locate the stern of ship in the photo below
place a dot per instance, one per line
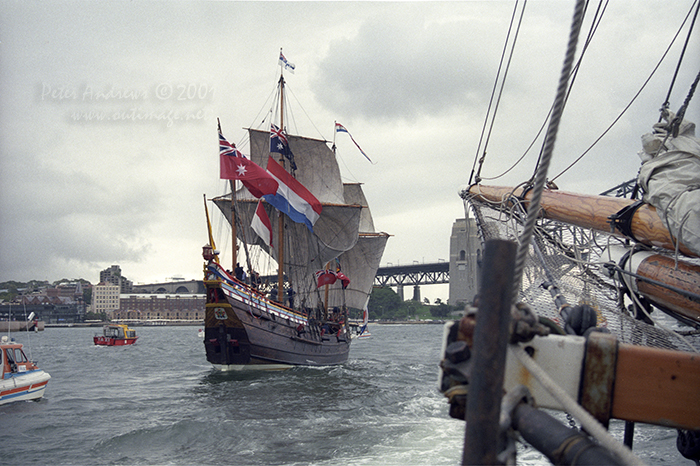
(225, 338)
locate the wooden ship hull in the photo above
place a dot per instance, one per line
(300, 214)
(246, 330)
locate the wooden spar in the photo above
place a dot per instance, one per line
(672, 286)
(657, 386)
(685, 277)
(234, 245)
(635, 383)
(211, 236)
(588, 211)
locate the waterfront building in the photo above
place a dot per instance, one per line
(161, 307)
(105, 298)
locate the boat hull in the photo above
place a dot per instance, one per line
(23, 386)
(245, 331)
(107, 341)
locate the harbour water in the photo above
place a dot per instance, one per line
(158, 402)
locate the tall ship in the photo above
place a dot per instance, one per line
(587, 304)
(297, 217)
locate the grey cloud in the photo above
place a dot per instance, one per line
(404, 70)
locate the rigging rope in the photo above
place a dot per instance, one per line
(666, 103)
(594, 26)
(541, 176)
(493, 91)
(634, 98)
(597, 18)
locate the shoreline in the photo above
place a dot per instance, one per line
(162, 323)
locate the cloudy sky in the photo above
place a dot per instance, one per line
(108, 114)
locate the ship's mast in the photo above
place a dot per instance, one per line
(280, 222)
(234, 245)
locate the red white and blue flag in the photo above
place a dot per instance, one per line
(233, 165)
(261, 224)
(292, 197)
(341, 129)
(285, 64)
(280, 144)
(226, 148)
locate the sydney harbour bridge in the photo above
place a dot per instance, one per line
(395, 276)
(416, 274)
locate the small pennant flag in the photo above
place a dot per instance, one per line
(341, 129)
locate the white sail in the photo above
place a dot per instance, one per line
(344, 231)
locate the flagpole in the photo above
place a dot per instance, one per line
(335, 131)
(280, 63)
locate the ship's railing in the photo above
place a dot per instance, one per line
(251, 297)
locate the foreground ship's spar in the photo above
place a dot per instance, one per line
(327, 256)
(587, 273)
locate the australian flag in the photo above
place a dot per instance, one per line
(280, 144)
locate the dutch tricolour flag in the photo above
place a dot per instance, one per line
(292, 197)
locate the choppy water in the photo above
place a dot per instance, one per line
(159, 403)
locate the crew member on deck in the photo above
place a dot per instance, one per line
(290, 296)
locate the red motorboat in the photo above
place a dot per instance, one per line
(116, 335)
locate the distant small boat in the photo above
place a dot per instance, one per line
(116, 335)
(21, 378)
(361, 331)
(200, 333)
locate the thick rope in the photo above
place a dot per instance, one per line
(541, 176)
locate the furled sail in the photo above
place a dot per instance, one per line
(670, 178)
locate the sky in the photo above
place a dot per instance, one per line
(108, 113)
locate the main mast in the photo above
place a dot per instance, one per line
(280, 223)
